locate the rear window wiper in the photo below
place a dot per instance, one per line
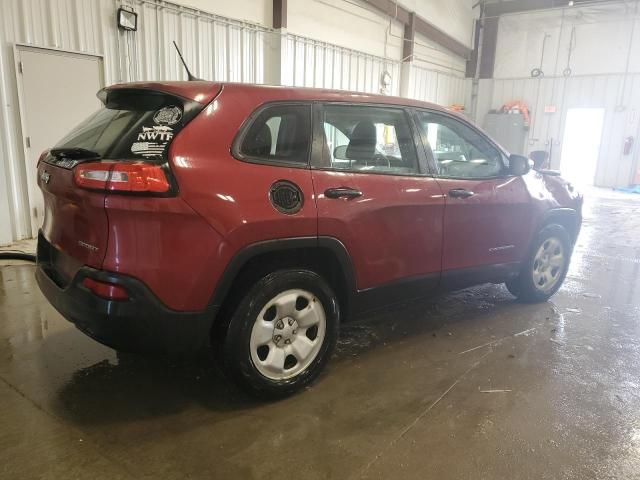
(75, 153)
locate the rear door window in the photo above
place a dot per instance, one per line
(133, 125)
(364, 138)
(278, 134)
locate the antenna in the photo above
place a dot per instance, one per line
(190, 76)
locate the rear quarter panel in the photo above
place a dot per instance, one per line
(232, 196)
(165, 244)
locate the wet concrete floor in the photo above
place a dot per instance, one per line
(469, 385)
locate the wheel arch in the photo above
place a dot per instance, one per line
(567, 218)
(326, 256)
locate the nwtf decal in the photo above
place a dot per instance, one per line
(152, 141)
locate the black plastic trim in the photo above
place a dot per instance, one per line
(563, 213)
(142, 323)
(366, 300)
(466, 277)
(281, 244)
(403, 290)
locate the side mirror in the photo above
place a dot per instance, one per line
(340, 152)
(518, 164)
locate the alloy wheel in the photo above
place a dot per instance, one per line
(548, 264)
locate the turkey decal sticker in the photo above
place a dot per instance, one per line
(152, 141)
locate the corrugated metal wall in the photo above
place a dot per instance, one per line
(215, 48)
(73, 25)
(310, 63)
(436, 86)
(619, 97)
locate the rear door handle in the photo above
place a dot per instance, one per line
(342, 192)
(460, 193)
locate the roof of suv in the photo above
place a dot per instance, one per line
(204, 92)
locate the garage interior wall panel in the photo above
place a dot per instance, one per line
(590, 40)
(254, 11)
(214, 47)
(437, 75)
(366, 44)
(72, 25)
(605, 73)
(437, 87)
(452, 16)
(310, 63)
(619, 97)
(352, 24)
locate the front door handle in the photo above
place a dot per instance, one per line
(460, 193)
(342, 192)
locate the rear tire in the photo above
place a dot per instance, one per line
(281, 334)
(545, 268)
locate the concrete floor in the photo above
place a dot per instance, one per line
(404, 397)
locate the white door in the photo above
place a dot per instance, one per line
(57, 91)
(581, 144)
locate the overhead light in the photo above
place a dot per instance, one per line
(127, 20)
(570, 3)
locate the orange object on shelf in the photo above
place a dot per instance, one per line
(521, 106)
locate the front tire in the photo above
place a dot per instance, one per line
(545, 268)
(282, 334)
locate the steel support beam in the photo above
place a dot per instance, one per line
(517, 6)
(279, 14)
(433, 33)
(422, 26)
(409, 38)
(492, 13)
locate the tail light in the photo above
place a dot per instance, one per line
(109, 291)
(122, 177)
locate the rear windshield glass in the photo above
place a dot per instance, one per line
(131, 126)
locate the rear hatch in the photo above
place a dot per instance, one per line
(121, 149)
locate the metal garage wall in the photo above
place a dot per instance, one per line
(72, 25)
(436, 75)
(215, 47)
(437, 87)
(310, 63)
(619, 98)
(599, 43)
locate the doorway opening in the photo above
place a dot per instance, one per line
(581, 144)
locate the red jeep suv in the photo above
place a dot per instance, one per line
(255, 219)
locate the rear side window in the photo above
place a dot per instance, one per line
(133, 125)
(280, 133)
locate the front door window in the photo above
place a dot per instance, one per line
(458, 150)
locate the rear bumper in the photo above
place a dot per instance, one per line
(140, 324)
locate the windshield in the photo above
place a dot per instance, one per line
(129, 127)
